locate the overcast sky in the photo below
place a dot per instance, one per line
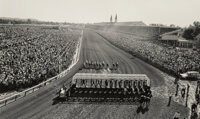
(178, 12)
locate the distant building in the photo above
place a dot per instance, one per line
(174, 39)
(160, 25)
(129, 23)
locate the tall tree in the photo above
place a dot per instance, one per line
(196, 28)
(196, 23)
(188, 33)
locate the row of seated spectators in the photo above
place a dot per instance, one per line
(32, 54)
(173, 60)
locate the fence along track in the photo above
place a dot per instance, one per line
(22, 94)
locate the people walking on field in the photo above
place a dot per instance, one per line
(183, 92)
(177, 88)
(169, 102)
(194, 114)
(145, 97)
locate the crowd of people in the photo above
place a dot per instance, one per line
(32, 54)
(170, 59)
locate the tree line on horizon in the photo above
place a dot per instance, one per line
(192, 31)
(28, 21)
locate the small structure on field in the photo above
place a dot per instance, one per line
(110, 80)
(96, 87)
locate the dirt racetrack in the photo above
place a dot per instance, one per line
(94, 48)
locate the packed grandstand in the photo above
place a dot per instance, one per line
(167, 58)
(32, 54)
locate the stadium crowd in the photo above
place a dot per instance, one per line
(170, 59)
(31, 54)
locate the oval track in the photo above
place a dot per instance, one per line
(96, 48)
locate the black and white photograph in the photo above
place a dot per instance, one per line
(99, 59)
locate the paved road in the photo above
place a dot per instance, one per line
(96, 48)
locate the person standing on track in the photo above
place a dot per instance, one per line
(170, 98)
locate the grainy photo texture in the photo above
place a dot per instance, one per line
(99, 59)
